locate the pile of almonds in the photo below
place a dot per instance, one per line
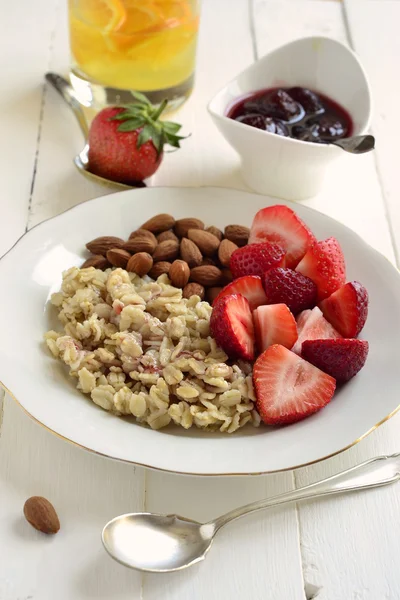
(195, 258)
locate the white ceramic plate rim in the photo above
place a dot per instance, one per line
(261, 200)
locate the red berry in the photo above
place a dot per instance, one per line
(291, 288)
(311, 325)
(274, 324)
(347, 309)
(114, 154)
(287, 387)
(231, 325)
(249, 286)
(340, 358)
(324, 264)
(280, 224)
(256, 259)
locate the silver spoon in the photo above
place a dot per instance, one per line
(163, 543)
(81, 160)
(358, 144)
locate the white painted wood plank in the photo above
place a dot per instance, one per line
(347, 543)
(374, 32)
(86, 490)
(255, 558)
(25, 43)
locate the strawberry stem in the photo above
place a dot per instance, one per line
(160, 109)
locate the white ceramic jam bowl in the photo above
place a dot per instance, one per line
(281, 166)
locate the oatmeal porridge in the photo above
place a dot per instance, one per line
(138, 348)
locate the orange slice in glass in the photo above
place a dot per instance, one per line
(106, 15)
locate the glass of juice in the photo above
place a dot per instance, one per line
(122, 45)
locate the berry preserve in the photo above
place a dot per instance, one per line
(295, 112)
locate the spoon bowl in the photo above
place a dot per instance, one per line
(81, 160)
(157, 543)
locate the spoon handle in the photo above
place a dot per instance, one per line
(371, 473)
(65, 89)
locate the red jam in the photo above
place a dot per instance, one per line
(295, 112)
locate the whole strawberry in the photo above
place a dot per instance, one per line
(126, 142)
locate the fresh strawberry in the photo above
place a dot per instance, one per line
(126, 143)
(311, 325)
(291, 288)
(324, 264)
(231, 325)
(249, 286)
(256, 259)
(340, 358)
(347, 309)
(287, 387)
(281, 224)
(274, 324)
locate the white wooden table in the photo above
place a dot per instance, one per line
(346, 548)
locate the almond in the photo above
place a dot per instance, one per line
(206, 242)
(118, 257)
(182, 226)
(97, 261)
(140, 243)
(225, 250)
(238, 234)
(215, 231)
(179, 273)
(167, 235)
(159, 223)
(101, 245)
(193, 289)
(212, 293)
(167, 250)
(207, 275)
(140, 263)
(143, 233)
(190, 253)
(226, 277)
(159, 269)
(40, 513)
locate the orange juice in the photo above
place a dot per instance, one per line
(145, 45)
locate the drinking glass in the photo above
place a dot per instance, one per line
(122, 45)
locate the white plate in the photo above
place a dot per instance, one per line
(31, 271)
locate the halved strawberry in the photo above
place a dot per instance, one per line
(291, 288)
(340, 358)
(324, 264)
(232, 327)
(274, 324)
(249, 286)
(347, 308)
(256, 259)
(287, 387)
(311, 325)
(280, 224)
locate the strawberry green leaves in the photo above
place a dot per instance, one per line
(141, 114)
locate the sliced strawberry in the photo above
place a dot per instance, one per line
(281, 224)
(324, 264)
(340, 358)
(232, 327)
(274, 324)
(291, 288)
(347, 308)
(287, 387)
(256, 259)
(249, 286)
(312, 325)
